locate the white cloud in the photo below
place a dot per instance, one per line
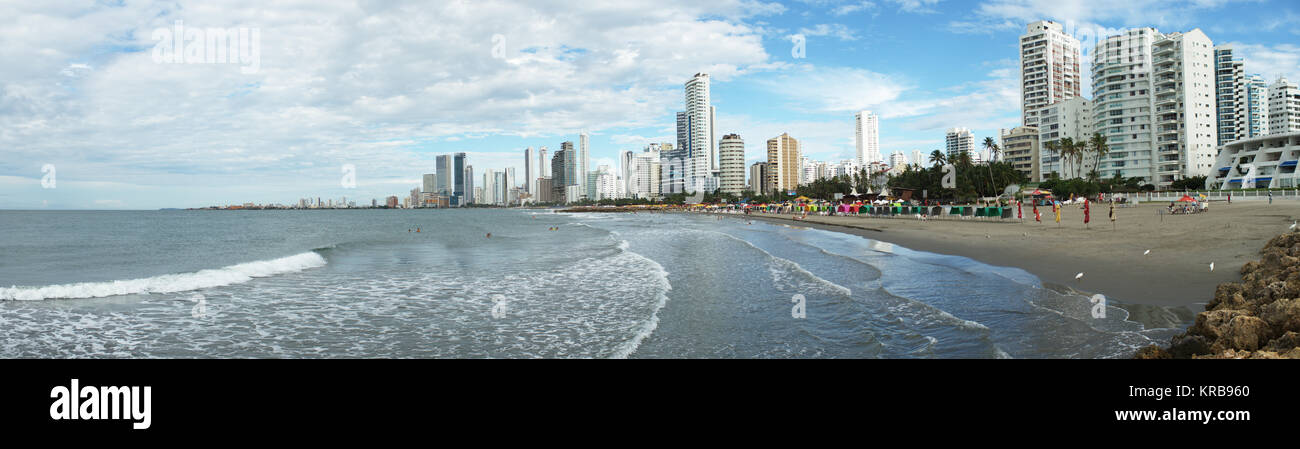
(1272, 61)
(340, 81)
(834, 89)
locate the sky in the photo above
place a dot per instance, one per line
(97, 111)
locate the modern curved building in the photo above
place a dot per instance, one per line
(1260, 162)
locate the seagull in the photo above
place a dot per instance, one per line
(1211, 266)
(1078, 276)
(1293, 224)
(1146, 252)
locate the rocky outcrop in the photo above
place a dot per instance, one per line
(1257, 318)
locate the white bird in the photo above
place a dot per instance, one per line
(1211, 266)
(1293, 224)
(1146, 252)
(1078, 276)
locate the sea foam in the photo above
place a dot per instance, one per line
(169, 283)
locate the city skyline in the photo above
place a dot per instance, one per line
(123, 131)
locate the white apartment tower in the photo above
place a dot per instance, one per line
(1049, 68)
(1283, 107)
(1156, 104)
(959, 140)
(697, 125)
(867, 130)
(731, 155)
(1071, 119)
(583, 163)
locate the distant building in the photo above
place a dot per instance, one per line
(1049, 68)
(1020, 149)
(783, 164)
(959, 141)
(731, 155)
(758, 179)
(1283, 107)
(867, 137)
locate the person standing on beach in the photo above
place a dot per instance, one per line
(1270, 197)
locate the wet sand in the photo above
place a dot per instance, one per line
(1175, 276)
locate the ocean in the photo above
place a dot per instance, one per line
(365, 284)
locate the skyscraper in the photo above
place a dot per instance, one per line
(867, 132)
(1158, 95)
(701, 145)
(783, 164)
(445, 178)
(543, 164)
(583, 164)
(959, 140)
(469, 185)
(1070, 119)
(1283, 107)
(1049, 68)
(731, 155)
(530, 178)
(758, 179)
(459, 181)
(430, 183)
(562, 171)
(1241, 99)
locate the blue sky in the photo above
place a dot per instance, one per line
(386, 87)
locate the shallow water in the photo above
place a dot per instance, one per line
(356, 283)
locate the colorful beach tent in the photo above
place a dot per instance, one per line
(1186, 199)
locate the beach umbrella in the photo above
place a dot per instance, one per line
(1186, 199)
(1020, 213)
(1038, 217)
(1056, 208)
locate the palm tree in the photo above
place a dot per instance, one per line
(1099, 149)
(1068, 149)
(992, 147)
(1053, 147)
(938, 158)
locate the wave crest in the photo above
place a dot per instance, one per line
(168, 283)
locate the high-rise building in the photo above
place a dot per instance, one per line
(584, 165)
(446, 179)
(758, 181)
(626, 170)
(543, 164)
(897, 159)
(731, 155)
(1241, 100)
(530, 175)
(1071, 119)
(647, 171)
(430, 183)
(917, 158)
(697, 125)
(867, 132)
(1283, 107)
(470, 191)
(783, 164)
(1020, 149)
(489, 187)
(959, 141)
(1049, 68)
(460, 183)
(562, 165)
(1156, 104)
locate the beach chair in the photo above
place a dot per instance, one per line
(1006, 213)
(980, 212)
(954, 210)
(936, 211)
(967, 212)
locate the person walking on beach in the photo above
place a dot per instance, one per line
(1270, 197)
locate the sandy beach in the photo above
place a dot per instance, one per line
(1175, 275)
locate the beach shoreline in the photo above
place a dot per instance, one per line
(1164, 288)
